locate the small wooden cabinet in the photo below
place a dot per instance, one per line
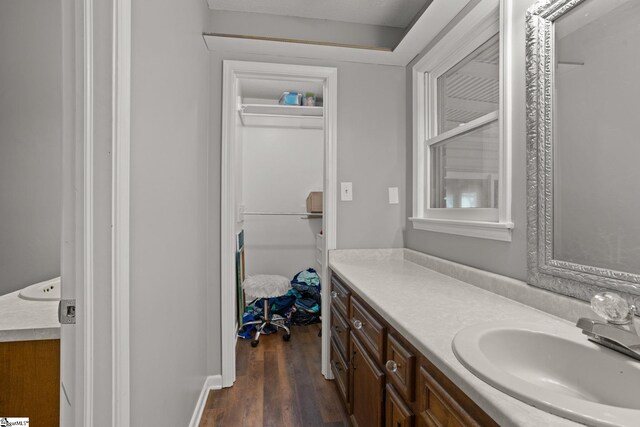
(30, 381)
(383, 380)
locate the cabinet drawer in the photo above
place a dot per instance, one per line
(370, 331)
(340, 296)
(438, 406)
(340, 331)
(401, 367)
(398, 413)
(340, 371)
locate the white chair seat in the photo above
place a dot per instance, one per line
(266, 286)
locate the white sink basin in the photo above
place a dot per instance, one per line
(565, 374)
(48, 290)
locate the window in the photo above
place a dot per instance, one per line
(461, 138)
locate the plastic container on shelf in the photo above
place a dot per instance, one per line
(290, 98)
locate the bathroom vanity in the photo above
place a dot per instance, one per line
(30, 359)
(394, 316)
(386, 380)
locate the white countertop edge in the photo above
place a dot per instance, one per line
(27, 320)
(31, 334)
(495, 403)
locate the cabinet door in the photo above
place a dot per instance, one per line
(367, 392)
(397, 412)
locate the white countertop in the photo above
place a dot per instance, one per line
(428, 308)
(23, 320)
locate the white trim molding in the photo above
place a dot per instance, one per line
(87, 309)
(121, 131)
(213, 382)
(480, 229)
(232, 72)
(487, 18)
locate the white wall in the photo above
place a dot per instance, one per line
(507, 258)
(371, 154)
(30, 142)
(280, 167)
(169, 192)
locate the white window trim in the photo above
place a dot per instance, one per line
(479, 24)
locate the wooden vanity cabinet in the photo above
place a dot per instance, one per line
(389, 382)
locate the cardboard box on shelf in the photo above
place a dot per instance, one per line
(314, 202)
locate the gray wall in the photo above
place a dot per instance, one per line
(371, 154)
(509, 259)
(169, 143)
(30, 142)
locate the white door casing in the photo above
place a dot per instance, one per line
(81, 218)
(232, 71)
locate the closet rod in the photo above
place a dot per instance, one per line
(285, 213)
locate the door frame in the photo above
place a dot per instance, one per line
(232, 71)
(120, 211)
(82, 159)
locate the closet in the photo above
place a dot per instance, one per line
(280, 152)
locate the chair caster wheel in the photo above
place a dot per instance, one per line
(254, 343)
(286, 337)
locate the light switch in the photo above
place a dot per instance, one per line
(393, 196)
(346, 191)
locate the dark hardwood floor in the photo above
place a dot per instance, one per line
(278, 384)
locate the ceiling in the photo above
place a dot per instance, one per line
(425, 29)
(392, 13)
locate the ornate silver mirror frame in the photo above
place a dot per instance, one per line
(575, 280)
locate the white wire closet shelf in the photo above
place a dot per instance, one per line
(276, 115)
(309, 214)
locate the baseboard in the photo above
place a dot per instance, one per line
(213, 382)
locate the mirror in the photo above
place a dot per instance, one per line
(583, 103)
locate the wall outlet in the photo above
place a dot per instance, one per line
(394, 199)
(346, 191)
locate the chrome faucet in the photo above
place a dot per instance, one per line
(617, 331)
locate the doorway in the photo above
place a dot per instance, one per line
(256, 78)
